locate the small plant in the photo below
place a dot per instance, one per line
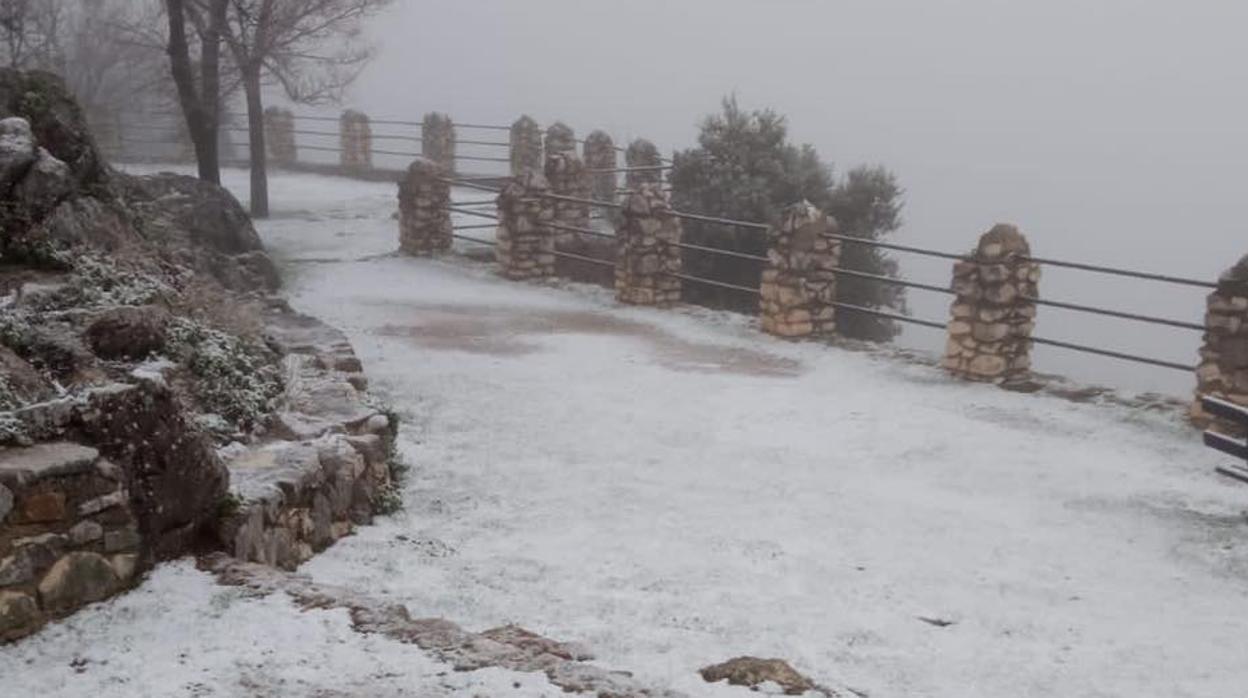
(389, 499)
(236, 378)
(228, 505)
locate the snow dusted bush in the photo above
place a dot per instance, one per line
(97, 282)
(236, 378)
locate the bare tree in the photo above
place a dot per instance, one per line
(30, 33)
(312, 49)
(200, 99)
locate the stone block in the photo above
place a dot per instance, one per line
(76, 580)
(19, 615)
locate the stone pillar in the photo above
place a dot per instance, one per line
(992, 318)
(642, 153)
(279, 136)
(357, 141)
(799, 284)
(560, 138)
(424, 221)
(526, 245)
(526, 145)
(565, 173)
(1223, 370)
(437, 140)
(648, 256)
(600, 155)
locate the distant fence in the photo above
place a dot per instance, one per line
(598, 220)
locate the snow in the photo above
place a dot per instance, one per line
(673, 489)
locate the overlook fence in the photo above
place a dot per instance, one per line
(565, 205)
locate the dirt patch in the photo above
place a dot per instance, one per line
(483, 329)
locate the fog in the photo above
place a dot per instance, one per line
(1111, 132)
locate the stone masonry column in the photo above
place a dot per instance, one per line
(648, 255)
(424, 221)
(437, 140)
(799, 284)
(357, 141)
(526, 145)
(1223, 369)
(565, 172)
(600, 155)
(279, 135)
(992, 318)
(642, 153)
(526, 245)
(560, 138)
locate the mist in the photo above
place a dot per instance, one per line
(1109, 132)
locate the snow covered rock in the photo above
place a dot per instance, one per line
(754, 672)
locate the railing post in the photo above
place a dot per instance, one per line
(437, 140)
(526, 245)
(565, 173)
(526, 145)
(642, 153)
(600, 155)
(279, 135)
(799, 284)
(356, 135)
(560, 138)
(649, 254)
(1223, 369)
(424, 220)
(993, 316)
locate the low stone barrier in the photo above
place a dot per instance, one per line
(424, 222)
(356, 136)
(437, 140)
(799, 284)
(526, 244)
(526, 145)
(993, 316)
(1223, 368)
(279, 136)
(648, 256)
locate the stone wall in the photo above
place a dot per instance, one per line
(642, 153)
(526, 244)
(526, 145)
(424, 222)
(356, 135)
(1223, 369)
(560, 138)
(279, 136)
(437, 140)
(648, 255)
(600, 154)
(992, 318)
(566, 175)
(799, 282)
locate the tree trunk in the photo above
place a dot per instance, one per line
(256, 145)
(200, 125)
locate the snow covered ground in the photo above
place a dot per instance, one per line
(673, 489)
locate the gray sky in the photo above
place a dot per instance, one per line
(1111, 131)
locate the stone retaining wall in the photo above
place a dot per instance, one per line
(437, 140)
(526, 244)
(424, 222)
(356, 135)
(648, 256)
(566, 175)
(279, 136)
(992, 316)
(799, 284)
(1223, 369)
(526, 145)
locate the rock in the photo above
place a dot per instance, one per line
(25, 382)
(195, 212)
(16, 569)
(6, 502)
(45, 184)
(17, 151)
(125, 566)
(19, 615)
(85, 532)
(121, 540)
(45, 460)
(57, 121)
(76, 580)
(129, 332)
(752, 671)
(44, 507)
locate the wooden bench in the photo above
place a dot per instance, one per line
(1238, 448)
